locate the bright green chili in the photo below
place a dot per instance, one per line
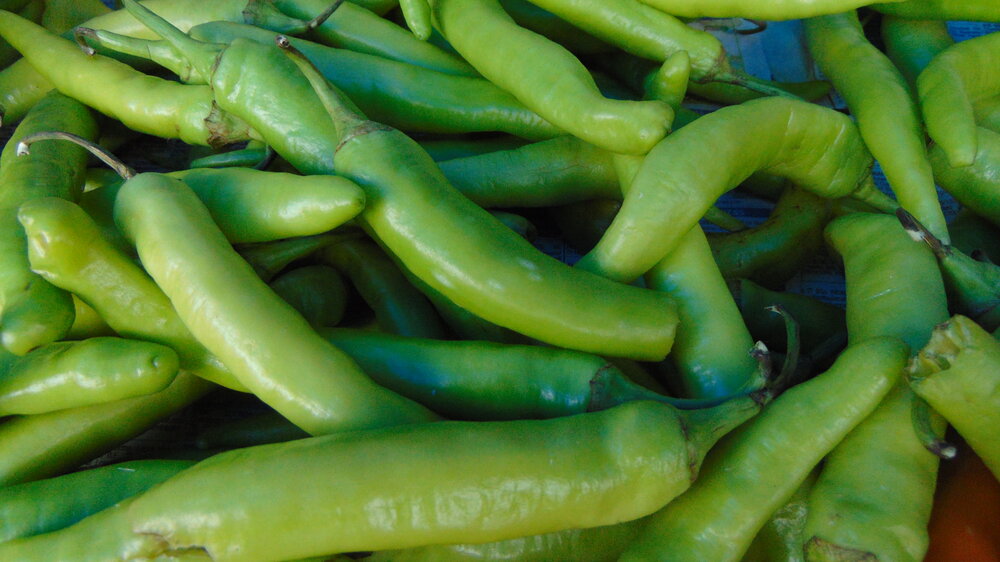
(888, 118)
(32, 311)
(480, 30)
(820, 150)
(975, 186)
(266, 345)
(542, 475)
(755, 470)
(956, 372)
(949, 87)
(75, 374)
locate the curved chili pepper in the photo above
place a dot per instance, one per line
(32, 311)
(636, 457)
(887, 116)
(949, 86)
(820, 150)
(477, 29)
(76, 374)
(766, 459)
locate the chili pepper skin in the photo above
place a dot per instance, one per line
(74, 374)
(357, 29)
(401, 95)
(477, 29)
(445, 149)
(257, 206)
(767, 458)
(398, 306)
(949, 86)
(976, 186)
(266, 345)
(144, 103)
(911, 44)
(317, 292)
(32, 311)
(853, 513)
(772, 252)
(557, 171)
(259, 429)
(269, 258)
(781, 537)
(61, 15)
(818, 149)
(44, 445)
(956, 372)
(712, 348)
(479, 264)
(66, 247)
(775, 11)
(542, 476)
(33, 508)
(888, 118)
(553, 27)
(87, 323)
(975, 10)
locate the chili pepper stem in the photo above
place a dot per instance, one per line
(348, 120)
(704, 427)
(793, 349)
(921, 414)
(919, 233)
(200, 55)
(753, 84)
(610, 388)
(122, 169)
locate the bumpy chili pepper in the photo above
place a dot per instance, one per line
(887, 116)
(976, 10)
(883, 513)
(399, 307)
(818, 149)
(66, 247)
(477, 29)
(44, 445)
(33, 508)
(956, 372)
(33, 311)
(767, 459)
(507, 282)
(974, 186)
(949, 86)
(74, 374)
(318, 292)
(542, 476)
(251, 331)
(144, 103)
(911, 44)
(772, 252)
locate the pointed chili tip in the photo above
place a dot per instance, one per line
(324, 15)
(80, 35)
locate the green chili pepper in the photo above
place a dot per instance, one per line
(62, 15)
(475, 261)
(772, 252)
(712, 350)
(47, 505)
(949, 86)
(317, 292)
(44, 445)
(353, 28)
(956, 372)
(776, 11)
(478, 29)
(818, 149)
(399, 307)
(976, 10)
(33, 311)
(444, 149)
(75, 374)
(269, 258)
(266, 345)
(887, 116)
(542, 476)
(974, 186)
(911, 44)
(819, 321)
(755, 470)
(87, 323)
(555, 28)
(881, 513)
(32, 11)
(66, 247)
(781, 537)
